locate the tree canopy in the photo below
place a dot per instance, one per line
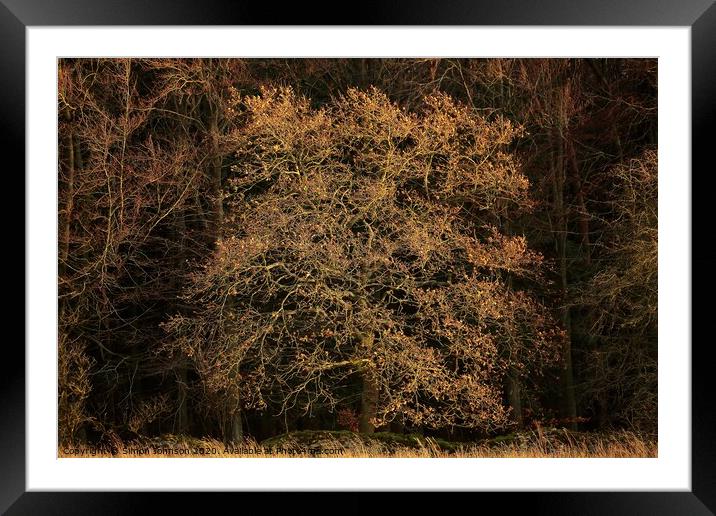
(458, 247)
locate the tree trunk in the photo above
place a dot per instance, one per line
(237, 427)
(569, 406)
(215, 176)
(581, 205)
(69, 204)
(369, 399)
(74, 163)
(512, 379)
(233, 427)
(368, 403)
(182, 423)
(602, 395)
(514, 397)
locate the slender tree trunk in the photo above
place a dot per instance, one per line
(182, 422)
(235, 430)
(602, 400)
(74, 162)
(215, 176)
(233, 424)
(583, 215)
(237, 426)
(369, 399)
(513, 388)
(69, 204)
(569, 406)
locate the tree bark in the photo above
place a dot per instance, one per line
(182, 424)
(512, 378)
(514, 397)
(602, 395)
(233, 425)
(581, 205)
(237, 426)
(72, 151)
(215, 176)
(369, 398)
(182, 421)
(569, 406)
(234, 429)
(74, 161)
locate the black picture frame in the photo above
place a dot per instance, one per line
(700, 15)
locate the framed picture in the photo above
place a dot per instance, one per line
(414, 252)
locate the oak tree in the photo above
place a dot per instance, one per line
(359, 247)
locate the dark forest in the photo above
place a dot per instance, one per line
(458, 252)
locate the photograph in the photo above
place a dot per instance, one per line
(446, 249)
(423, 257)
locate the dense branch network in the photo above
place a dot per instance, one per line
(358, 242)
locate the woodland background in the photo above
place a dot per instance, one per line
(180, 184)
